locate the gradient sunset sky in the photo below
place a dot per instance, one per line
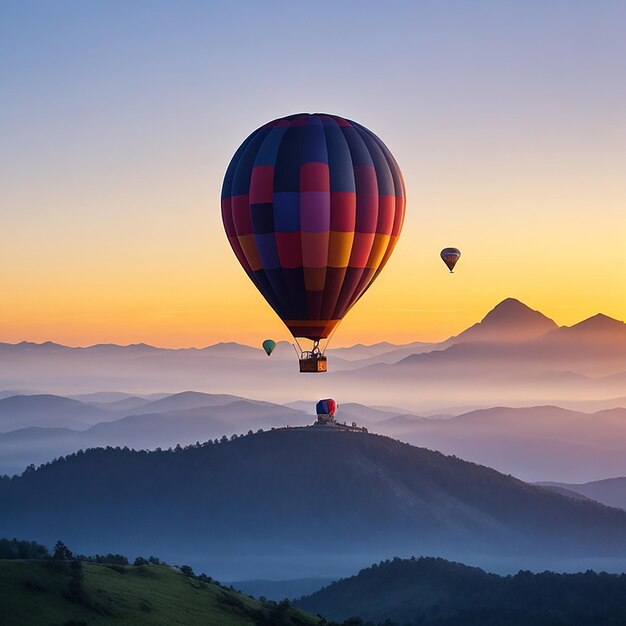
(118, 119)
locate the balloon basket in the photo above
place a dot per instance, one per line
(314, 364)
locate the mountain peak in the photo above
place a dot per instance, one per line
(599, 327)
(509, 321)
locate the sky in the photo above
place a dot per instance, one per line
(118, 120)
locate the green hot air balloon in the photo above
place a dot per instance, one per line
(268, 346)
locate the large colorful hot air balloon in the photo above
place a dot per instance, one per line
(450, 256)
(313, 205)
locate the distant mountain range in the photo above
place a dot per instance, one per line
(535, 443)
(42, 427)
(514, 356)
(610, 491)
(303, 502)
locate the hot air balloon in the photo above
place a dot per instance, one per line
(450, 256)
(325, 410)
(268, 346)
(313, 206)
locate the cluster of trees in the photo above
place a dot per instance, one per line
(15, 549)
(176, 449)
(436, 592)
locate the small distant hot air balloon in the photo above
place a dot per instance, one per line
(268, 346)
(325, 410)
(313, 206)
(450, 256)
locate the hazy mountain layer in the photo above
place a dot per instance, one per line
(610, 491)
(514, 356)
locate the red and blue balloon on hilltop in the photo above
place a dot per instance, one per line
(313, 206)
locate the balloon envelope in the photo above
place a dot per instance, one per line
(312, 205)
(450, 256)
(326, 407)
(268, 346)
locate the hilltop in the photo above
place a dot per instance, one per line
(429, 592)
(300, 502)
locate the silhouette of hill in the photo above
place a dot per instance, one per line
(192, 400)
(533, 443)
(599, 328)
(562, 491)
(429, 592)
(300, 501)
(610, 491)
(47, 410)
(227, 415)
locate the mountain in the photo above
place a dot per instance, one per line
(302, 502)
(22, 447)
(510, 321)
(188, 400)
(61, 592)
(429, 592)
(598, 329)
(562, 491)
(610, 491)
(532, 443)
(47, 410)
(515, 356)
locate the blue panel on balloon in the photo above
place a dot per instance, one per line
(287, 168)
(286, 211)
(262, 218)
(339, 160)
(241, 179)
(232, 167)
(358, 150)
(276, 278)
(266, 246)
(386, 185)
(269, 149)
(313, 147)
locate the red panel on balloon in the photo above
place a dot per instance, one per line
(314, 177)
(241, 214)
(386, 214)
(342, 211)
(262, 184)
(361, 249)
(289, 247)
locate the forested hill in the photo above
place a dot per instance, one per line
(293, 498)
(44, 592)
(429, 592)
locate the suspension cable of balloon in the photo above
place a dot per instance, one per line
(299, 347)
(329, 338)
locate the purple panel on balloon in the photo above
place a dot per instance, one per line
(315, 211)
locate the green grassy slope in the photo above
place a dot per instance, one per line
(35, 592)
